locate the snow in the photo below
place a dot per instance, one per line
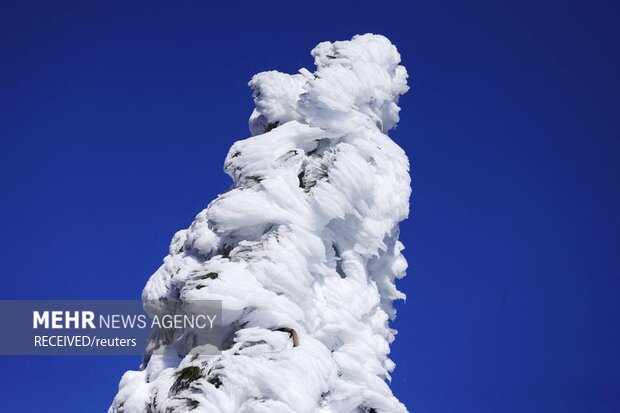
(307, 240)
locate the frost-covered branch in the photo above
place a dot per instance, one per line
(303, 251)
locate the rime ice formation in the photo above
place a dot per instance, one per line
(306, 242)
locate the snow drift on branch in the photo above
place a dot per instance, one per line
(303, 251)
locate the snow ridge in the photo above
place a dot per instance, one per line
(303, 251)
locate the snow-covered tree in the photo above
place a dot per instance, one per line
(303, 252)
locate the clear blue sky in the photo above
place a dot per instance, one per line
(115, 119)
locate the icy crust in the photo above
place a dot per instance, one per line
(306, 241)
